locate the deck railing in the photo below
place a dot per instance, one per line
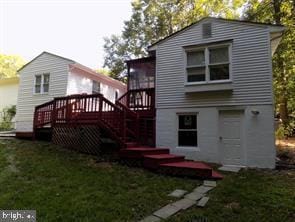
(44, 114)
(84, 109)
(141, 102)
(124, 120)
(139, 99)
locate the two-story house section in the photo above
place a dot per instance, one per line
(214, 95)
(48, 76)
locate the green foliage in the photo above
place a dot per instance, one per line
(9, 64)
(67, 186)
(280, 133)
(7, 115)
(280, 12)
(105, 72)
(152, 20)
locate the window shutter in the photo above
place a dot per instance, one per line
(207, 30)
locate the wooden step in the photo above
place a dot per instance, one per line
(139, 152)
(187, 168)
(153, 161)
(131, 144)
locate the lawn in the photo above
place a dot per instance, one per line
(65, 186)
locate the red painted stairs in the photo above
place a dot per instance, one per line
(160, 160)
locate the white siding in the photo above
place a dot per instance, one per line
(27, 100)
(257, 141)
(79, 83)
(8, 94)
(251, 67)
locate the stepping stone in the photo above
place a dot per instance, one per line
(210, 183)
(166, 211)
(177, 193)
(184, 203)
(150, 218)
(194, 196)
(203, 189)
(202, 202)
(234, 169)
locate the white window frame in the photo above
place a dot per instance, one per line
(207, 63)
(42, 84)
(177, 135)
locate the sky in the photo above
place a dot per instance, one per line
(70, 28)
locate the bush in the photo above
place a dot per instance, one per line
(7, 115)
(286, 131)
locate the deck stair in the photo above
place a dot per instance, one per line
(131, 125)
(160, 160)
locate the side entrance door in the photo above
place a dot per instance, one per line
(231, 137)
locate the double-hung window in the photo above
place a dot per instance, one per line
(42, 83)
(95, 87)
(208, 63)
(187, 130)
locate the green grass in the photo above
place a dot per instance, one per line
(65, 186)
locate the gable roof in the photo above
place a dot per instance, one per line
(213, 18)
(85, 69)
(98, 76)
(69, 60)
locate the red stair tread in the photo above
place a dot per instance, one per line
(187, 164)
(216, 175)
(143, 149)
(162, 156)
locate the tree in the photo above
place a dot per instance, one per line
(280, 12)
(9, 64)
(152, 20)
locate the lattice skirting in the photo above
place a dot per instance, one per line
(86, 139)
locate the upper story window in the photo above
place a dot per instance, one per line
(209, 63)
(42, 83)
(95, 87)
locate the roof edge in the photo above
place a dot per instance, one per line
(150, 47)
(44, 52)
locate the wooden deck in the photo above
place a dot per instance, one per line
(131, 119)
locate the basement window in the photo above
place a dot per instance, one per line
(187, 130)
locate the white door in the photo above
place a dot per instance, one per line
(230, 137)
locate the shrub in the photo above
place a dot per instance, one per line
(7, 115)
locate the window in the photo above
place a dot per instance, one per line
(187, 130)
(46, 83)
(196, 67)
(42, 83)
(95, 87)
(208, 64)
(219, 63)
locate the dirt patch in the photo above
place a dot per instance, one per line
(290, 143)
(286, 151)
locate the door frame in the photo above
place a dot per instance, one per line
(241, 112)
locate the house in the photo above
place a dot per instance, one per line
(204, 94)
(48, 76)
(8, 92)
(214, 95)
